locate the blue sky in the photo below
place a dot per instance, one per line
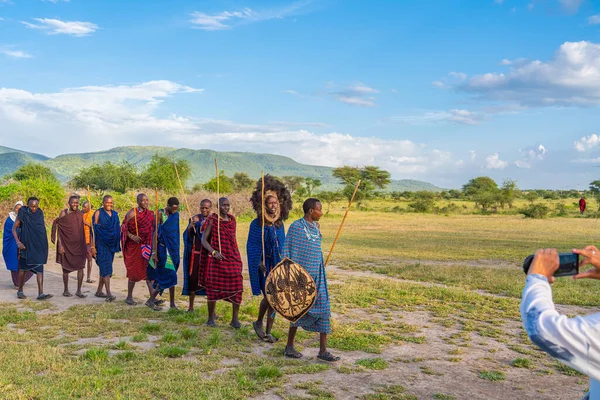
(440, 91)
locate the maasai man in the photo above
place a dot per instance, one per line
(303, 246)
(10, 251)
(163, 274)
(582, 205)
(71, 252)
(137, 241)
(86, 208)
(30, 234)
(221, 264)
(192, 244)
(107, 237)
(278, 203)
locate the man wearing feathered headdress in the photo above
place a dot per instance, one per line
(277, 203)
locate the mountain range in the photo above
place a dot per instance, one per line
(201, 162)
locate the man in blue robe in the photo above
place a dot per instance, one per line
(192, 245)
(29, 231)
(107, 237)
(303, 246)
(164, 272)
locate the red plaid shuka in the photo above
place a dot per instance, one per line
(135, 263)
(222, 279)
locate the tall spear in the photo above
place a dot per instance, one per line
(342, 224)
(262, 198)
(218, 206)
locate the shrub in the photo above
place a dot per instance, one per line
(536, 211)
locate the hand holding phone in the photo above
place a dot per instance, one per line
(568, 264)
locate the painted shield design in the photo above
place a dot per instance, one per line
(291, 291)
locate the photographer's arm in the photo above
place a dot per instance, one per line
(574, 341)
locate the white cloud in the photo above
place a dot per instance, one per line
(293, 92)
(571, 6)
(226, 19)
(531, 155)
(587, 142)
(456, 116)
(493, 161)
(57, 27)
(570, 78)
(451, 79)
(131, 114)
(594, 19)
(357, 94)
(15, 53)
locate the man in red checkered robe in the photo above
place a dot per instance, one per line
(221, 264)
(137, 233)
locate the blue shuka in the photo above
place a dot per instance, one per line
(35, 238)
(274, 245)
(107, 238)
(10, 251)
(165, 274)
(188, 248)
(303, 246)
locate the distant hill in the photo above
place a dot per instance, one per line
(201, 161)
(12, 159)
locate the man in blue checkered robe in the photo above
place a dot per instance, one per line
(303, 246)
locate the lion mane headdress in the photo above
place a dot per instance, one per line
(273, 188)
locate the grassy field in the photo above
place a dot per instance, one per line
(425, 306)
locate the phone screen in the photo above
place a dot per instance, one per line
(569, 264)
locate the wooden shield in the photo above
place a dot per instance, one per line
(291, 291)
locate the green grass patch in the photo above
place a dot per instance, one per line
(522, 363)
(172, 351)
(373, 363)
(96, 354)
(492, 375)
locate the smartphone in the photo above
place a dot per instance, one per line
(568, 264)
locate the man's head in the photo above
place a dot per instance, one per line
(74, 203)
(271, 205)
(142, 201)
(107, 203)
(173, 204)
(33, 203)
(86, 207)
(224, 206)
(312, 208)
(205, 207)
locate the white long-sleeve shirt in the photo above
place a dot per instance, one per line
(573, 341)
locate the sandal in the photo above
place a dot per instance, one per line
(81, 295)
(212, 324)
(101, 295)
(44, 296)
(261, 334)
(67, 294)
(236, 325)
(270, 338)
(110, 299)
(159, 302)
(151, 305)
(90, 281)
(21, 295)
(292, 353)
(327, 356)
(130, 302)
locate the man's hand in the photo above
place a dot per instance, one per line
(155, 258)
(135, 238)
(195, 219)
(94, 252)
(262, 268)
(545, 263)
(219, 256)
(591, 256)
(61, 250)
(21, 246)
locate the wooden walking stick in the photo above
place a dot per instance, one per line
(262, 198)
(187, 206)
(342, 224)
(218, 207)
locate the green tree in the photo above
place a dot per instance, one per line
(241, 182)
(371, 178)
(479, 184)
(293, 183)
(311, 184)
(108, 176)
(329, 197)
(532, 196)
(509, 192)
(160, 173)
(225, 184)
(424, 202)
(34, 171)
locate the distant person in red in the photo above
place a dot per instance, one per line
(582, 205)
